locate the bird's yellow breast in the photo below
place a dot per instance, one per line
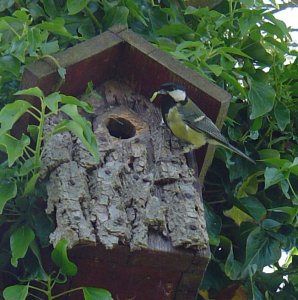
(182, 130)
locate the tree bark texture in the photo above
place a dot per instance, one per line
(142, 187)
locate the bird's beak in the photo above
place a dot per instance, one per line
(155, 94)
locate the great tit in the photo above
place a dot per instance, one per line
(187, 122)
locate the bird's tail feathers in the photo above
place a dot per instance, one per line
(237, 151)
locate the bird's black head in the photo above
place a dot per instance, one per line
(174, 90)
(172, 86)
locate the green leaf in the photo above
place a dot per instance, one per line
(236, 51)
(272, 176)
(11, 112)
(87, 138)
(30, 185)
(43, 225)
(33, 131)
(116, 15)
(34, 91)
(216, 69)
(62, 72)
(282, 115)
(13, 292)
(8, 190)
(253, 207)
(41, 273)
(91, 293)
(56, 26)
(285, 188)
(49, 47)
(261, 251)
(13, 147)
(214, 224)
(237, 215)
(80, 127)
(136, 11)
(75, 6)
(20, 240)
(61, 260)
(256, 51)
(279, 24)
(5, 4)
(261, 96)
(270, 224)
(233, 82)
(73, 100)
(269, 153)
(232, 267)
(292, 212)
(10, 64)
(172, 30)
(52, 101)
(249, 186)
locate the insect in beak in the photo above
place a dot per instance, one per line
(155, 94)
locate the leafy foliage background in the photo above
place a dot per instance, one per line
(251, 211)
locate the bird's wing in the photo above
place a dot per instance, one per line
(198, 121)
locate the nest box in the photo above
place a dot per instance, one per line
(136, 219)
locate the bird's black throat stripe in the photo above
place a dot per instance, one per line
(167, 102)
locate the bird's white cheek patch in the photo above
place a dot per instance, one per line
(178, 95)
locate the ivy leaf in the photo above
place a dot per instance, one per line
(34, 91)
(272, 176)
(253, 207)
(73, 100)
(11, 112)
(116, 15)
(56, 26)
(261, 96)
(49, 47)
(282, 115)
(10, 64)
(13, 147)
(62, 72)
(249, 186)
(261, 251)
(87, 138)
(80, 127)
(285, 188)
(41, 273)
(214, 224)
(232, 267)
(91, 293)
(291, 212)
(269, 153)
(8, 190)
(5, 4)
(17, 291)
(237, 215)
(19, 243)
(60, 258)
(30, 185)
(75, 6)
(52, 101)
